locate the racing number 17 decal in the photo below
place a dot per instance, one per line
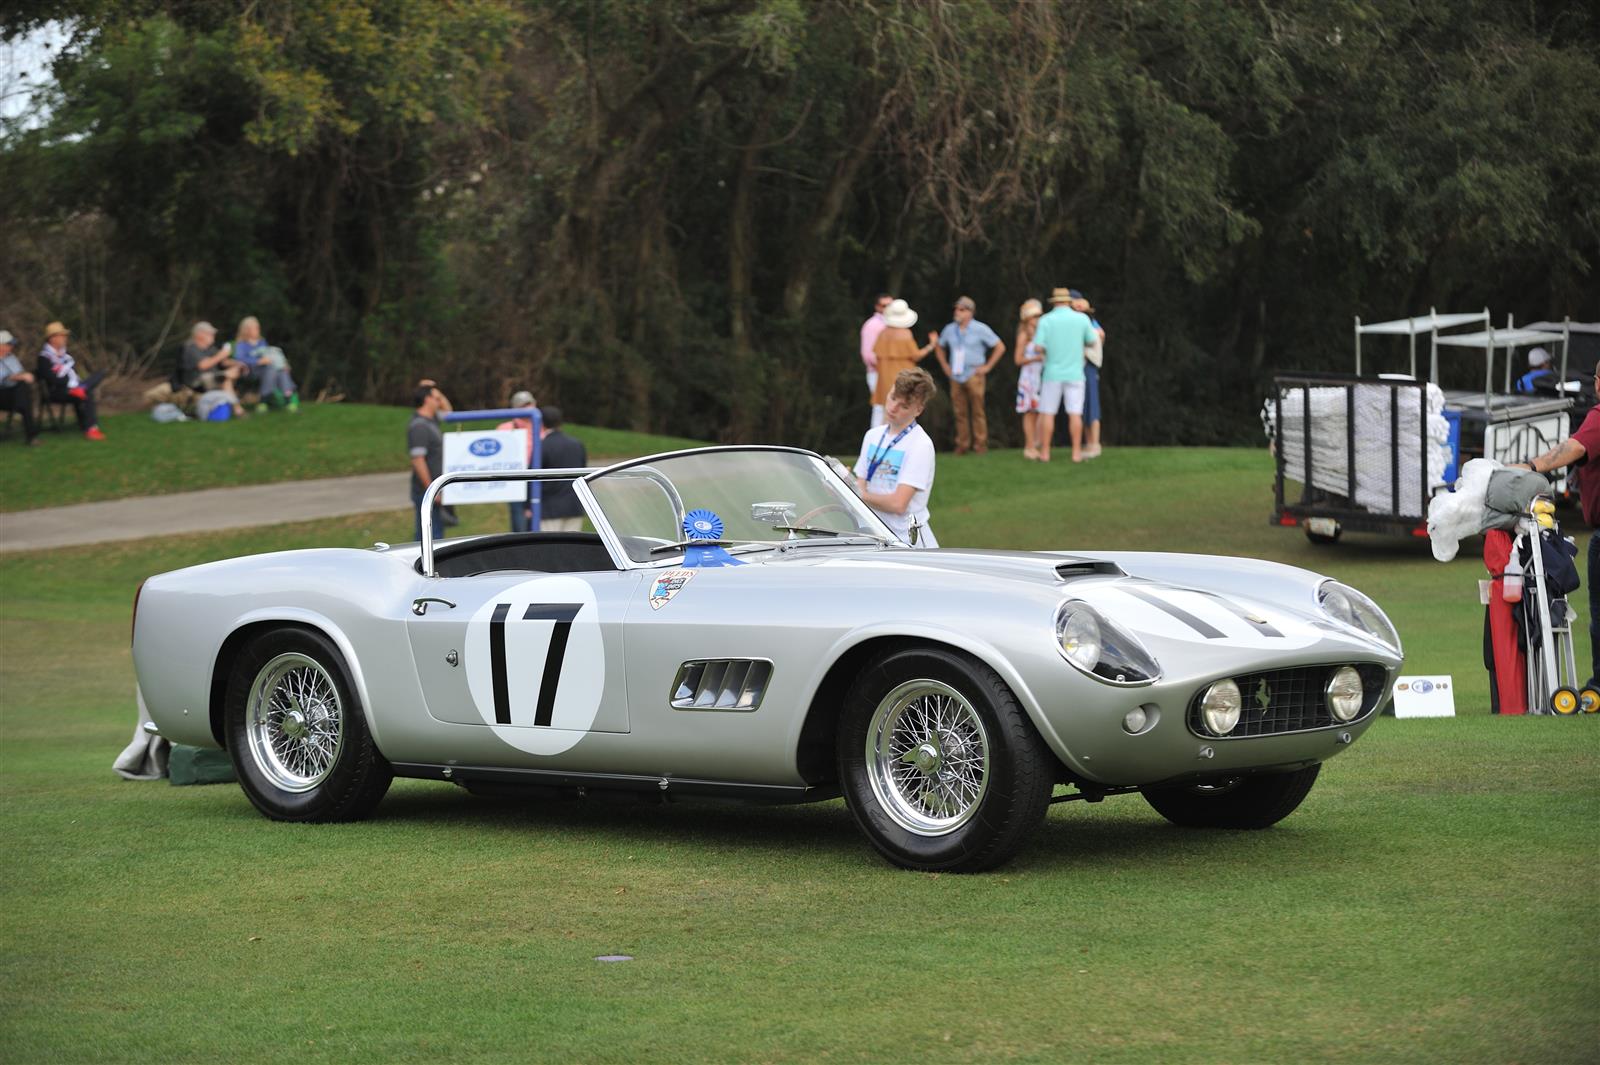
(560, 613)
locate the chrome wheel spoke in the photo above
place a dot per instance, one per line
(294, 722)
(927, 757)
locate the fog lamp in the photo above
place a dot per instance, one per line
(1134, 720)
(1219, 707)
(1344, 694)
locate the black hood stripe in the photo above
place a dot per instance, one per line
(1182, 615)
(1261, 625)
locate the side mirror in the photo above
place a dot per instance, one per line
(915, 531)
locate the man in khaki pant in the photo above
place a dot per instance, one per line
(967, 351)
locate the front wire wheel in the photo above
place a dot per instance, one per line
(939, 765)
(928, 755)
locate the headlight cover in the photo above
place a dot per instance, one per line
(1349, 607)
(1101, 648)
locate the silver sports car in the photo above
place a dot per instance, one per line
(740, 624)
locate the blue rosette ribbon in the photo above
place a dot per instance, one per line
(704, 527)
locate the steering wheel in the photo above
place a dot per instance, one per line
(805, 519)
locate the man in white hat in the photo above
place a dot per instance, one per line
(16, 388)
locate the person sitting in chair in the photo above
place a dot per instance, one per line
(16, 389)
(59, 372)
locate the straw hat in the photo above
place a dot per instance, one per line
(900, 315)
(1061, 295)
(1030, 308)
(55, 329)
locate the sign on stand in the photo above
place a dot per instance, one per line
(1424, 697)
(485, 451)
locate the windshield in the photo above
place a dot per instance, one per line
(758, 496)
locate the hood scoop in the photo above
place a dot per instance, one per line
(1088, 567)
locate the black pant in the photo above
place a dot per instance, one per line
(84, 408)
(18, 396)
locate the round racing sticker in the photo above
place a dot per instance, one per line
(535, 663)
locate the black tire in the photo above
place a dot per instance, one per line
(1258, 801)
(993, 817)
(311, 679)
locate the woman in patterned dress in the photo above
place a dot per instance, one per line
(1030, 357)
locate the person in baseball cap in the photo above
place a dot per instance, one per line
(16, 388)
(521, 510)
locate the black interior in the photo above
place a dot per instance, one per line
(538, 552)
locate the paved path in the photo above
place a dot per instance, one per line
(204, 511)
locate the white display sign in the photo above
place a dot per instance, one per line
(1424, 697)
(486, 451)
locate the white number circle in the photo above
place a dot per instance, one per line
(536, 665)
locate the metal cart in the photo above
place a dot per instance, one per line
(1552, 671)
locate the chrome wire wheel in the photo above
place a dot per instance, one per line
(927, 757)
(295, 722)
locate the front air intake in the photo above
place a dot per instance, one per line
(733, 684)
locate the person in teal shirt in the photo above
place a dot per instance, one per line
(1063, 334)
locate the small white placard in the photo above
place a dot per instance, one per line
(488, 450)
(1424, 697)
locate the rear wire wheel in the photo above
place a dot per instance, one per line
(940, 766)
(296, 732)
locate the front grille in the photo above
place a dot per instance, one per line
(1289, 700)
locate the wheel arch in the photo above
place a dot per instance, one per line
(256, 623)
(814, 745)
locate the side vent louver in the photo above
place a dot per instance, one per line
(735, 684)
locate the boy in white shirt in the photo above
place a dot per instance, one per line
(895, 471)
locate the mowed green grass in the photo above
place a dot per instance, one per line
(141, 457)
(1431, 901)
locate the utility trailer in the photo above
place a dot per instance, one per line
(1370, 452)
(1359, 449)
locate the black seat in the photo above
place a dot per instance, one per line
(536, 552)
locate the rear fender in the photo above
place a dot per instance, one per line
(284, 615)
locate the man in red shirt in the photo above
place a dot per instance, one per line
(1578, 450)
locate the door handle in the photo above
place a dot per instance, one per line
(419, 607)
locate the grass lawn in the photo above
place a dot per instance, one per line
(1430, 902)
(141, 457)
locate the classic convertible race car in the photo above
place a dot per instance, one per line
(740, 624)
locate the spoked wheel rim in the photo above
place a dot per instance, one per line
(295, 722)
(928, 757)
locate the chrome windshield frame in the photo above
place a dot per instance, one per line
(613, 540)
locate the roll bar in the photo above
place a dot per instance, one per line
(439, 482)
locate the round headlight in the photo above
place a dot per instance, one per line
(1219, 707)
(1344, 694)
(1080, 639)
